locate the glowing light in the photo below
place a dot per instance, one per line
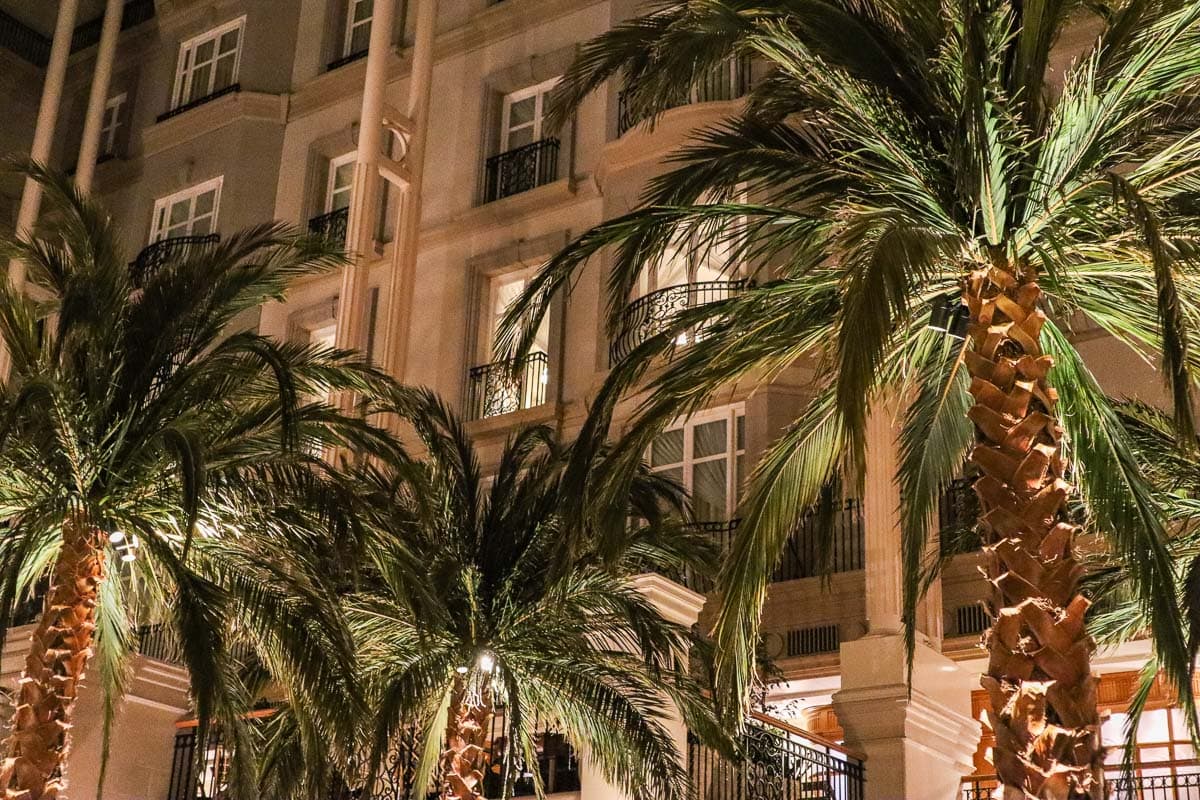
(116, 537)
(461, 670)
(487, 662)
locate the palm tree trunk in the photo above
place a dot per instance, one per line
(1039, 681)
(40, 731)
(464, 761)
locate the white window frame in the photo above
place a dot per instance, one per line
(334, 163)
(730, 414)
(111, 127)
(538, 91)
(351, 6)
(157, 228)
(185, 69)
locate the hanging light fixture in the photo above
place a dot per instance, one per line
(125, 545)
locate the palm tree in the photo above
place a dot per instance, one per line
(481, 603)
(134, 417)
(896, 154)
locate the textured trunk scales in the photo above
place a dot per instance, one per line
(1039, 681)
(465, 759)
(40, 737)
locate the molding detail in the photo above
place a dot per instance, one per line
(232, 108)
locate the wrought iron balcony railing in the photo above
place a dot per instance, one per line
(495, 389)
(153, 256)
(199, 101)
(521, 169)
(727, 82)
(776, 762)
(331, 226)
(1166, 780)
(958, 517)
(349, 58)
(653, 313)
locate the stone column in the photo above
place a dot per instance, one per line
(919, 739)
(89, 147)
(360, 225)
(43, 132)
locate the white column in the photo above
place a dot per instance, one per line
(881, 522)
(360, 225)
(43, 132)
(408, 227)
(89, 147)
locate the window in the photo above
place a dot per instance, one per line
(706, 456)
(190, 212)
(358, 26)
(110, 125)
(208, 63)
(521, 122)
(492, 389)
(503, 291)
(341, 183)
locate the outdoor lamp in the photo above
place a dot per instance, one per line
(939, 314)
(487, 662)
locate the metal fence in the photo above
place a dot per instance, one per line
(775, 764)
(331, 226)
(521, 169)
(153, 256)
(1168, 780)
(494, 389)
(727, 81)
(199, 101)
(653, 313)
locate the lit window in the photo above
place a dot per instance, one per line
(190, 212)
(208, 63)
(521, 122)
(706, 456)
(504, 291)
(110, 126)
(341, 183)
(358, 26)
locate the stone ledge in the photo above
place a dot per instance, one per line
(243, 106)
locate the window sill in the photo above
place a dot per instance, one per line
(216, 113)
(503, 424)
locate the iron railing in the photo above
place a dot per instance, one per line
(24, 40)
(958, 518)
(349, 58)
(199, 101)
(496, 388)
(156, 254)
(775, 764)
(727, 81)
(1167, 780)
(331, 226)
(521, 169)
(653, 313)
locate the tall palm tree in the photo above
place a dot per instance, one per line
(134, 415)
(899, 153)
(484, 609)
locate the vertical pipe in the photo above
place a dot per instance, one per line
(408, 228)
(43, 132)
(360, 225)
(89, 147)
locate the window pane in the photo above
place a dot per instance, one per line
(740, 433)
(229, 41)
(179, 212)
(708, 490)
(709, 439)
(360, 39)
(674, 473)
(205, 202)
(1112, 731)
(520, 138)
(1153, 727)
(343, 176)
(200, 82)
(363, 9)
(224, 77)
(201, 226)
(204, 51)
(667, 449)
(521, 112)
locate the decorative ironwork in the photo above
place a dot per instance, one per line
(775, 764)
(824, 543)
(728, 81)
(193, 778)
(653, 313)
(199, 101)
(349, 58)
(331, 226)
(153, 256)
(1167, 780)
(24, 40)
(495, 389)
(521, 169)
(958, 513)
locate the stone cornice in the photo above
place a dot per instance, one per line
(641, 144)
(236, 107)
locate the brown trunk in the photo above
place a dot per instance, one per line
(58, 654)
(1042, 692)
(465, 759)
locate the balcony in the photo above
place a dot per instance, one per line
(349, 58)
(496, 388)
(728, 82)
(136, 12)
(1166, 780)
(653, 313)
(958, 517)
(520, 170)
(777, 761)
(155, 255)
(199, 101)
(331, 226)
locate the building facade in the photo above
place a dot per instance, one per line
(222, 114)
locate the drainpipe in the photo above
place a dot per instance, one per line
(408, 224)
(360, 224)
(89, 148)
